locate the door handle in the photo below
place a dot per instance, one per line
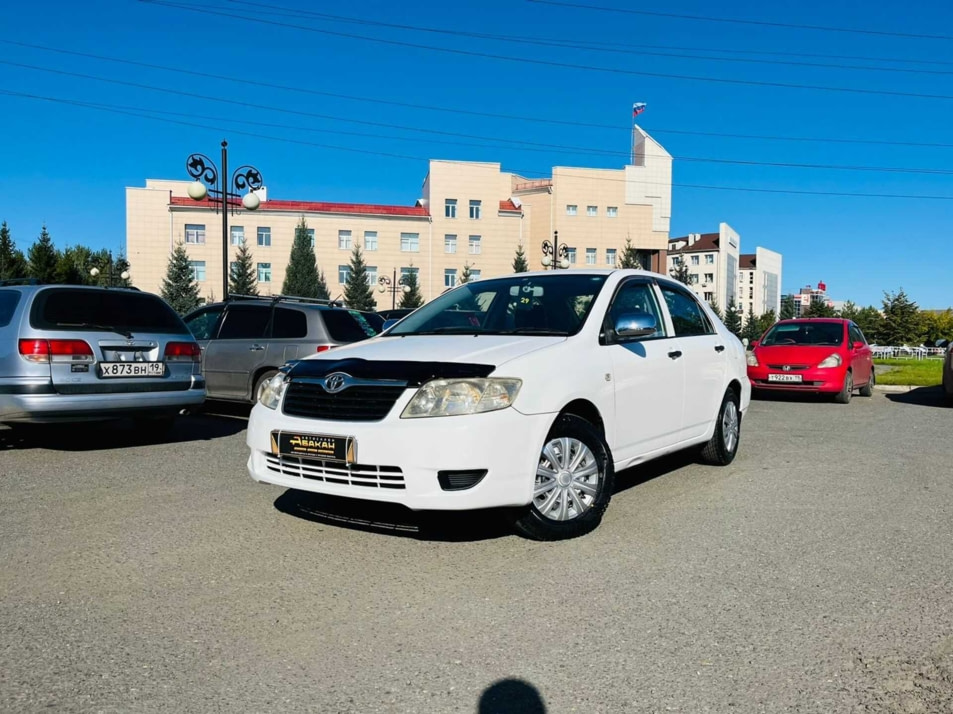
(719, 348)
(675, 354)
(255, 348)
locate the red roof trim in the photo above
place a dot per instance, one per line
(320, 207)
(508, 205)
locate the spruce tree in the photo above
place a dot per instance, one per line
(788, 310)
(357, 293)
(12, 263)
(870, 322)
(752, 329)
(902, 324)
(43, 258)
(302, 277)
(819, 308)
(715, 308)
(73, 265)
(630, 256)
(849, 311)
(733, 317)
(680, 272)
(120, 266)
(766, 321)
(465, 275)
(242, 275)
(519, 262)
(179, 287)
(413, 298)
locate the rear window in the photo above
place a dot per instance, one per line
(8, 303)
(347, 325)
(289, 324)
(97, 310)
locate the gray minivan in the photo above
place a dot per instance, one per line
(77, 353)
(246, 339)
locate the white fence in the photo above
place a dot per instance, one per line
(906, 352)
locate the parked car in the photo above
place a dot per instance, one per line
(527, 391)
(245, 340)
(947, 370)
(72, 353)
(819, 355)
(396, 314)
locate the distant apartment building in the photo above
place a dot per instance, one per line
(759, 282)
(712, 260)
(469, 213)
(808, 295)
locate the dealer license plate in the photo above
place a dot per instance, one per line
(314, 446)
(784, 378)
(109, 370)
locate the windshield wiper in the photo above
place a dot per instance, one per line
(535, 331)
(451, 329)
(93, 326)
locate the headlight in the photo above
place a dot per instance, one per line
(833, 361)
(752, 360)
(272, 391)
(453, 397)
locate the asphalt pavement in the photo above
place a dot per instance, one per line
(811, 575)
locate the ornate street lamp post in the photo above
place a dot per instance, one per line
(110, 277)
(211, 184)
(555, 254)
(394, 286)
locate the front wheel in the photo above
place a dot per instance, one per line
(723, 445)
(847, 391)
(574, 481)
(868, 389)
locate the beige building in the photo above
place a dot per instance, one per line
(469, 213)
(712, 260)
(759, 282)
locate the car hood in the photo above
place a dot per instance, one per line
(492, 350)
(796, 354)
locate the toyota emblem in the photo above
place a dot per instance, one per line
(334, 383)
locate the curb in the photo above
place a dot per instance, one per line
(895, 387)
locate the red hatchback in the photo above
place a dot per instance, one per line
(813, 355)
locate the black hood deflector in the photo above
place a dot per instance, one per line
(414, 373)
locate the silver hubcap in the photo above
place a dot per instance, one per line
(567, 479)
(730, 426)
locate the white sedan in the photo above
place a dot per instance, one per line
(527, 391)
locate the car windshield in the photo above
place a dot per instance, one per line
(805, 333)
(555, 304)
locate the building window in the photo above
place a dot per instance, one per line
(344, 240)
(709, 259)
(198, 269)
(195, 233)
(475, 209)
(410, 242)
(310, 233)
(751, 277)
(590, 256)
(264, 236)
(450, 277)
(695, 260)
(592, 210)
(450, 208)
(370, 240)
(610, 256)
(709, 296)
(751, 293)
(264, 272)
(474, 275)
(571, 209)
(343, 272)
(571, 254)
(449, 244)
(612, 211)
(371, 275)
(676, 260)
(405, 272)
(709, 277)
(693, 279)
(474, 244)
(236, 235)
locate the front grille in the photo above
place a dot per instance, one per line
(335, 472)
(791, 367)
(371, 403)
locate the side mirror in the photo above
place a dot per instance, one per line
(752, 344)
(635, 324)
(858, 345)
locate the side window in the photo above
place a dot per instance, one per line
(202, 324)
(855, 334)
(688, 318)
(245, 322)
(8, 303)
(636, 298)
(289, 324)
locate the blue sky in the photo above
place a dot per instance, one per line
(338, 133)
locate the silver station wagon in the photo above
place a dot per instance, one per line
(75, 353)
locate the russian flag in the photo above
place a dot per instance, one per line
(638, 108)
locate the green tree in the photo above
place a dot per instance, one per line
(849, 311)
(357, 292)
(465, 275)
(715, 308)
(733, 317)
(43, 258)
(12, 263)
(870, 322)
(302, 277)
(937, 325)
(752, 328)
(120, 266)
(519, 262)
(243, 276)
(179, 287)
(630, 257)
(680, 272)
(766, 321)
(788, 309)
(73, 264)
(819, 308)
(902, 322)
(413, 298)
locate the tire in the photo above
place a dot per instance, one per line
(574, 507)
(847, 391)
(948, 390)
(723, 445)
(868, 389)
(262, 378)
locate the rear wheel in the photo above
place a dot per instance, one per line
(574, 481)
(868, 389)
(847, 391)
(723, 445)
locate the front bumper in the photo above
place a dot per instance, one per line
(812, 380)
(398, 460)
